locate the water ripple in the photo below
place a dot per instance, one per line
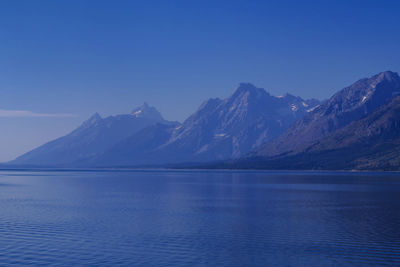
(198, 219)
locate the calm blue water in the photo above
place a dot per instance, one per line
(206, 218)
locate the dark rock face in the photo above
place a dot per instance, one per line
(371, 143)
(348, 105)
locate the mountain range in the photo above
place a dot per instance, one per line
(371, 143)
(219, 129)
(347, 105)
(357, 128)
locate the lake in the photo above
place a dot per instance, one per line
(204, 218)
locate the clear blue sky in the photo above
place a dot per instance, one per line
(61, 61)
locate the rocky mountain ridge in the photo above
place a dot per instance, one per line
(347, 105)
(219, 129)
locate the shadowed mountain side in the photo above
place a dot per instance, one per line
(346, 106)
(372, 143)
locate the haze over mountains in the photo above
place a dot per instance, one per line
(94, 136)
(353, 129)
(219, 129)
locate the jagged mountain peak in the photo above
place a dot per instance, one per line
(347, 105)
(249, 101)
(147, 111)
(387, 75)
(208, 105)
(93, 120)
(369, 92)
(247, 93)
(290, 98)
(95, 117)
(379, 80)
(248, 89)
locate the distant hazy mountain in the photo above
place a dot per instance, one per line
(346, 106)
(219, 129)
(371, 143)
(94, 136)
